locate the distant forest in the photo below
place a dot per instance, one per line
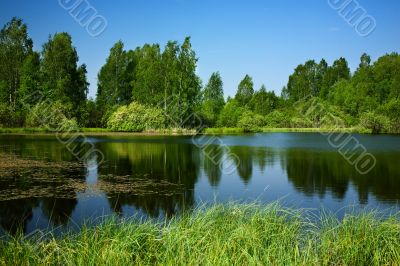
(153, 88)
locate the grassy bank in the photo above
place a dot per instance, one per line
(284, 130)
(221, 235)
(180, 131)
(101, 131)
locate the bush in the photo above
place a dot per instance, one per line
(136, 118)
(230, 115)
(250, 121)
(53, 116)
(300, 122)
(5, 113)
(392, 110)
(375, 123)
(9, 117)
(277, 119)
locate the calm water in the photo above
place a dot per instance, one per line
(42, 185)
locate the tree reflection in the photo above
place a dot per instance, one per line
(212, 164)
(245, 163)
(175, 164)
(315, 173)
(15, 214)
(58, 211)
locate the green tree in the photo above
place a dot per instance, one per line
(15, 47)
(113, 87)
(188, 91)
(338, 71)
(264, 102)
(245, 91)
(250, 121)
(30, 79)
(62, 79)
(230, 115)
(213, 99)
(303, 82)
(170, 72)
(148, 82)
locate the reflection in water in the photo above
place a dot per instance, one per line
(160, 177)
(58, 210)
(15, 214)
(245, 162)
(212, 159)
(176, 164)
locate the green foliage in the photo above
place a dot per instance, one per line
(136, 118)
(223, 130)
(229, 234)
(250, 121)
(277, 119)
(53, 116)
(15, 47)
(62, 79)
(91, 115)
(392, 111)
(151, 77)
(263, 102)
(213, 99)
(300, 122)
(245, 91)
(231, 114)
(375, 123)
(166, 78)
(113, 78)
(5, 115)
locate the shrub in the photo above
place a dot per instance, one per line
(10, 117)
(250, 121)
(392, 110)
(300, 122)
(5, 113)
(53, 116)
(277, 119)
(136, 118)
(375, 123)
(230, 115)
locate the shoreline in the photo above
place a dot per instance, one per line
(183, 132)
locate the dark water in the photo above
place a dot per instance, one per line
(43, 185)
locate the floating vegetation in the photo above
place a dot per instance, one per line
(139, 186)
(31, 178)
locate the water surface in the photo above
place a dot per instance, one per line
(43, 185)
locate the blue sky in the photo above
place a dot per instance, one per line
(264, 38)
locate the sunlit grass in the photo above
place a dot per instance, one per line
(223, 130)
(324, 130)
(23, 130)
(221, 235)
(182, 131)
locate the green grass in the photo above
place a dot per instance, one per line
(220, 235)
(170, 131)
(223, 130)
(182, 131)
(23, 130)
(336, 130)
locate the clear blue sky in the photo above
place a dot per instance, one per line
(264, 38)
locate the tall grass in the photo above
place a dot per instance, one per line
(221, 235)
(23, 130)
(223, 130)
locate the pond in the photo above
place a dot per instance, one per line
(43, 184)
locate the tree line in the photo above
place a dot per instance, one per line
(135, 88)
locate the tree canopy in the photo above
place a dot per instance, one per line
(160, 84)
